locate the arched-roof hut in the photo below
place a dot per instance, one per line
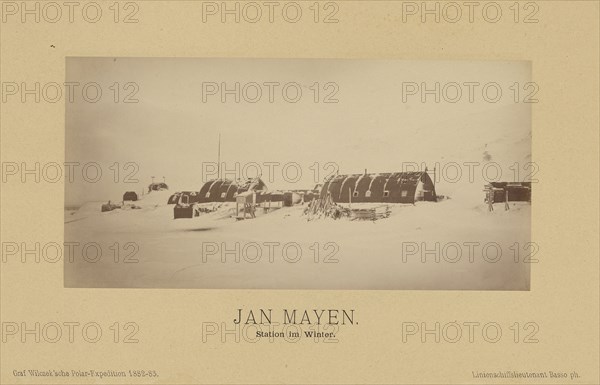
(157, 186)
(398, 187)
(174, 198)
(130, 196)
(225, 190)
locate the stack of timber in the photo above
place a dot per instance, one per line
(373, 214)
(325, 208)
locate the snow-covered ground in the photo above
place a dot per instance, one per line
(282, 250)
(373, 126)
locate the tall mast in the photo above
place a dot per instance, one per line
(219, 159)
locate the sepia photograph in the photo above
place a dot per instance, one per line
(336, 174)
(299, 192)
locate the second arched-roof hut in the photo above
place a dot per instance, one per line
(398, 187)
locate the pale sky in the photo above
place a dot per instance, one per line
(171, 131)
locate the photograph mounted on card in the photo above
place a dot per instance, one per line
(299, 174)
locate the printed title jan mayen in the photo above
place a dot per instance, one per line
(296, 317)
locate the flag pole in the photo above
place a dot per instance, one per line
(219, 159)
